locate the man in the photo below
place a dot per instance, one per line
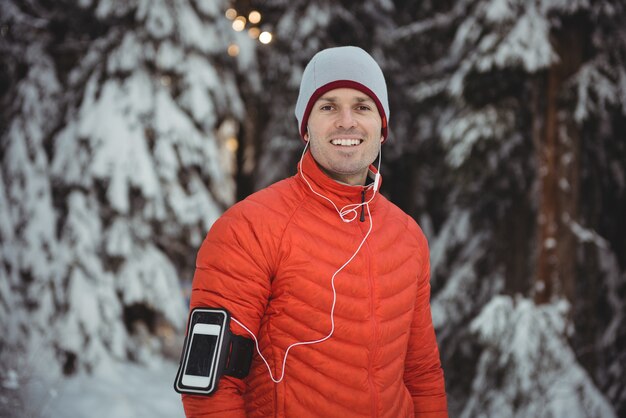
(329, 276)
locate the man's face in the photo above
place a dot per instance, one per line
(344, 133)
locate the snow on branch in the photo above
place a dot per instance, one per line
(598, 86)
(441, 20)
(527, 368)
(469, 128)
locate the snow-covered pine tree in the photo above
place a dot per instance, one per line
(112, 172)
(461, 207)
(529, 364)
(29, 254)
(499, 98)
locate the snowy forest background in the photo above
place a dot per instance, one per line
(126, 129)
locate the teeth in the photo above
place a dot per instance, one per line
(346, 142)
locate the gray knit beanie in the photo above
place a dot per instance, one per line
(333, 68)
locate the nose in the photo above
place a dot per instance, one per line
(346, 119)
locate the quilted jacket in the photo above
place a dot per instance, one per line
(269, 261)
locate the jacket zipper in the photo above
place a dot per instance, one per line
(362, 218)
(374, 345)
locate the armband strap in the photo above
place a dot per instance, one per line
(240, 356)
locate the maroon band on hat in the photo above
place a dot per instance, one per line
(337, 85)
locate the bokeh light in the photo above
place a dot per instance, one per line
(254, 17)
(254, 32)
(231, 14)
(265, 37)
(233, 50)
(239, 23)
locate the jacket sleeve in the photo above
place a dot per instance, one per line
(423, 374)
(234, 267)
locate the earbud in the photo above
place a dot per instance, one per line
(380, 158)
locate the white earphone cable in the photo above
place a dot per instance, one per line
(351, 208)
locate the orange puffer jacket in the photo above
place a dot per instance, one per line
(269, 261)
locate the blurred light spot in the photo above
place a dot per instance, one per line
(254, 17)
(239, 23)
(254, 32)
(232, 144)
(233, 50)
(231, 14)
(166, 80)
(265, 37)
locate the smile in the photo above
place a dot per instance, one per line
(345, 142)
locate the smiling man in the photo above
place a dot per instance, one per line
(326, 276)
(344, 133)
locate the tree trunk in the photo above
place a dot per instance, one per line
(557, 142)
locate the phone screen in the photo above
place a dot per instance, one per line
(203, 349)
(201, 355)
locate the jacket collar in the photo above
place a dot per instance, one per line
(340, 193)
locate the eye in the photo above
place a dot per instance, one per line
(326, 107)
(363, 108)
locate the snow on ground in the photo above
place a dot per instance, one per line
(122, 390)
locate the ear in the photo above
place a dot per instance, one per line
(306, 137)
(382, 138)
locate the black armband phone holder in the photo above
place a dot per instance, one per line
(211, 351)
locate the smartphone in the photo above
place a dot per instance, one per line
(201, 360)
(205, 352)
